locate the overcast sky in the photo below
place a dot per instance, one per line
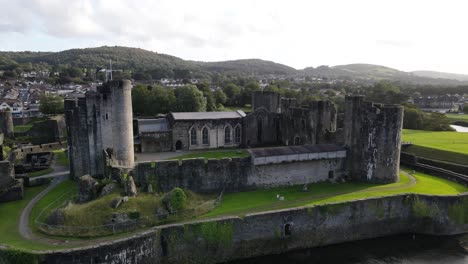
(404, 34)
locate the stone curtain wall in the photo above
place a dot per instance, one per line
(233, 175)
(274, 232)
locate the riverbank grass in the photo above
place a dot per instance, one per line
(447, 140)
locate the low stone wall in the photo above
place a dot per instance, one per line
(21, 152)
(450, 171)
(234, 175)
(274, 232)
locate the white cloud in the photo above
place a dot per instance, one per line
(408, 35)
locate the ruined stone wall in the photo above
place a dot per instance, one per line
(373, 139)
(48, 131)
(156, 142)
(77, 137)
(275, 232)
(296, 173)
(311, 125)
(6, 173)
(198, 175)
(260, 128)
(266, 99)
(6, 123)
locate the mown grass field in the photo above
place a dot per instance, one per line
(321, 193)
(437, 154)
(447, 141)
(219, 154)
(457, 117)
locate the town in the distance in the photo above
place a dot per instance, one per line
(123, 155)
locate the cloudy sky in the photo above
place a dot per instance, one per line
(404, 34)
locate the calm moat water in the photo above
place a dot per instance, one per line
(400, 249)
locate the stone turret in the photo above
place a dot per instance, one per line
(6, 123)
(122, 124)
(372, 135)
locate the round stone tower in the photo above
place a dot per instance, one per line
(6, 123)
(122, 123)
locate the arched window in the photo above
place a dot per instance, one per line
(237, 135)
(205, 136)
(193, 136)
(227, 135)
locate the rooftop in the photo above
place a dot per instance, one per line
(152, 125)
(207, 115)
(292, 150)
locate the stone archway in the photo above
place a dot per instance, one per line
(178, 145)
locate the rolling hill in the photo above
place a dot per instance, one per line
(128, 58)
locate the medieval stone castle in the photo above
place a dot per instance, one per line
(288, 144)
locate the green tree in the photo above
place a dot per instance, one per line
(220, 97)
(413, 118)
(51, 104)
(246, 93)
(465, 109)
(189, 99)
(210, 99)
(232, 92)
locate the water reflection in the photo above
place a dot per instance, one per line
(391, 250)
(459, 128)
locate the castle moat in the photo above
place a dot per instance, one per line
(401, 249)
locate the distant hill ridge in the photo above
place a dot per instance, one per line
(139, 59)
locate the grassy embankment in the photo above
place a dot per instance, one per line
(219, 154)
(444, 146)
(321, 193)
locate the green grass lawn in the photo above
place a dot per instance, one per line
(219, 154)
(320, 193)
(457, 117)
(62, 192)
(10, 213)
(448, 141)
(40, 173)
(61, 158)
(22, 128)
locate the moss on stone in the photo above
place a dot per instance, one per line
(458, 212)
(422, 209)
(18, 257)
(216, 234)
